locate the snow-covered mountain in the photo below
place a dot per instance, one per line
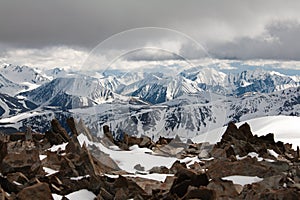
(15, 79)
(10, 106)
(9, 87)
(70, 92)
(154, 103)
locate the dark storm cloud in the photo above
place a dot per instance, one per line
(225, 28)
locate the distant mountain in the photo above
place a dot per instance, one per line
(10, 106)
(24, 74)
(152, 103)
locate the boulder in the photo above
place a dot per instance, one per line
(39, 191)
(199, 193)
(223, 188)
(186, 178)
(26, 162)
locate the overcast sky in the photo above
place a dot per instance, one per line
(63, 32)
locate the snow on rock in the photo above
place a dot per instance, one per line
(252, 155)
(243, 180)
(56, 147)
(126, 160)
(285, 129)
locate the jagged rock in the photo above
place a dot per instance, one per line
(3, 148)
(72, 125)
(199, 193)
(57, 134)
(8, 186)
(163, 140)
(73, 146)
(186, 178)
(39, 191)
(177, 165)
(107, 133)
(103, 194)
(146, 142)
(3, 195)
(17, 177)
(223, 188)
(246, 167)
(21, 157)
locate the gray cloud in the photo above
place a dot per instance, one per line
(281, 40)
(231, 28)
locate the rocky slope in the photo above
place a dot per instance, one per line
(55, 164)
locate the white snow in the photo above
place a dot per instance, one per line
(285, 129)
(243, 180)
(79, 177)
(42, 157)
(126, 160)
(252, 155)
(273, 153)
(57, 197)
(56, 147)
(81, 194)
(49, 171)
(154, 176)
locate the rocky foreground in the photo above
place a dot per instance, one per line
(56, 164)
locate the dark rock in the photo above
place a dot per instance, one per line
(107, 133)
(159, 170)
(103, 194)
(39, 191)
(186, 178)
(22, 158)
(17, 177)
(72, 125)
(223, 188)
(199, 193)
(139, 167)
(57, 134)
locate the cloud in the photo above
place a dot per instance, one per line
(48, 57)
(279, 41)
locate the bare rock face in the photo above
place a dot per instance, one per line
(39, 191)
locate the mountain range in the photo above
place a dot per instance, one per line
(154, 103)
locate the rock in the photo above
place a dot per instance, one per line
(103, 194)
(21, 157)
(199, 193)
(39, 191)
(57, 134)
(120, 194)
(223, 188)
(3, 195)
(139, 167)
(17, 177)
(146, 142)
(159, 170)
(3, 149)
(186, 178)
(107, 133)
(72, 125)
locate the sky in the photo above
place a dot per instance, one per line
(67, 33)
